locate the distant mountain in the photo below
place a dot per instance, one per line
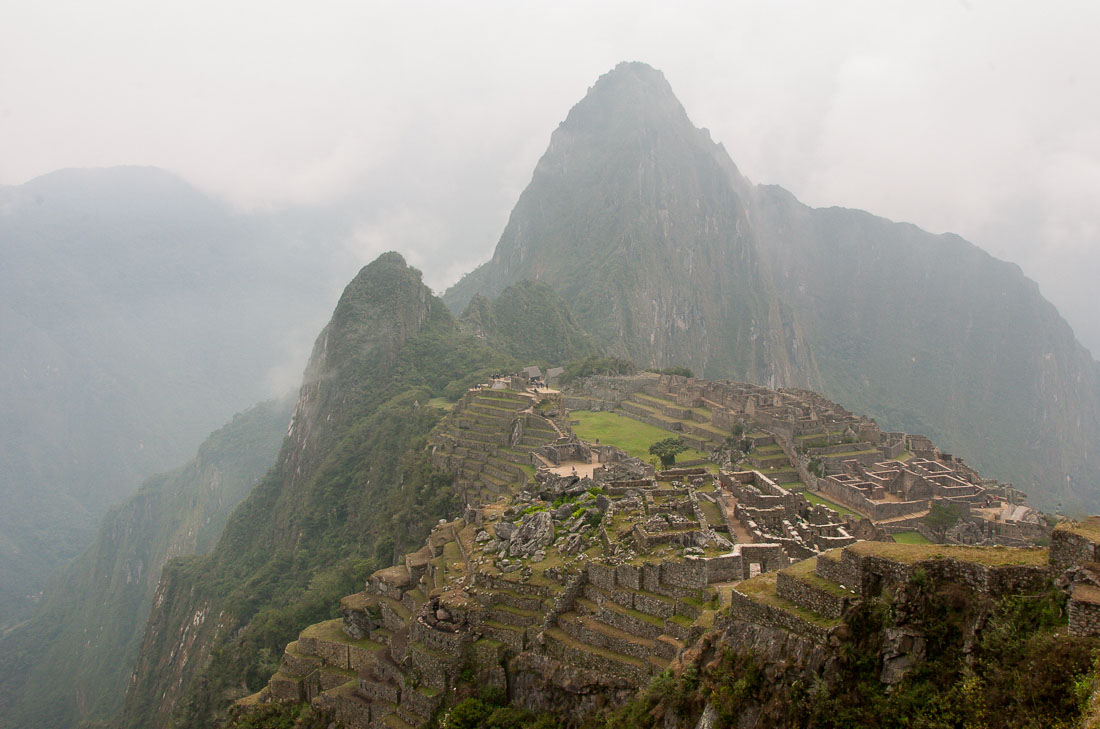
(667, 255)
(642, 224)
(136, 315)
(931, 334)
(89, 625)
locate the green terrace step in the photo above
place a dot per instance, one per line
(394, 721)
(773, 609)
(668, 647)
(544, 431)
(496, 485)
(634, 621)
(381, 635)
(507, 474)
(644, 601)
(501, 395)
(570, 650)
(478, 427)
(514, 599)
(286, 687)
(345, 703)
(512, 636)
(331, 677)
(584, 606)
(328, 642)
(801, 585)
(514, 456)
(470, 437)
(658, 663)
(592, 631)
(532, 443)
(394, 613)
(514, 616)
(295, 663)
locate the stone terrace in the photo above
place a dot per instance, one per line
(811, 597)
(488, 443)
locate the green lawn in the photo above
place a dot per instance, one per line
(842, 510)
(441, 403)
(911, 538)
(632, 436)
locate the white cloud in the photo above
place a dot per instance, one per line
(979, 118)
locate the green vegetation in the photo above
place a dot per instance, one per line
(530, 321)
(490, 710)
(631, 435)
(822, 501)
(596, 365)
(762, 588)
(1023, 672)
(357, 492)
(989, 556)
(911, 538)
(667, 450)
(674, 370)
(942, 516)
(278, 715)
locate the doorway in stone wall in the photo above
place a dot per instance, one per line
(872, 585)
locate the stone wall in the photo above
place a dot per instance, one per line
(833, 567)
(877, 510)
(1084, 611)
(875, 572)
(743, 607)
(813, 598)
(1068, 548)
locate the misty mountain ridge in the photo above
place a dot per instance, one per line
(88, 626)
(637, 237)
(137, 315)
(668, 255)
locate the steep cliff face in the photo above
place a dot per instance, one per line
(930, 334)
(351, 486)
(90, 622)
(641, 223)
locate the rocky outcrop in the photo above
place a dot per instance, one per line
(534, 532)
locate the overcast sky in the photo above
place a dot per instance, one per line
(426, 119)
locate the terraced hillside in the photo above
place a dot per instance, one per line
(488, 441)
(577, 573)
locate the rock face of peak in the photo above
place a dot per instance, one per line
(669, 256)
(641, 223)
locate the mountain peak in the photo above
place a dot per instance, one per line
(633, 95)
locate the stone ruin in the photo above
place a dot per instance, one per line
(568, 591)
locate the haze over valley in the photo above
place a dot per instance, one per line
(306, 317)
